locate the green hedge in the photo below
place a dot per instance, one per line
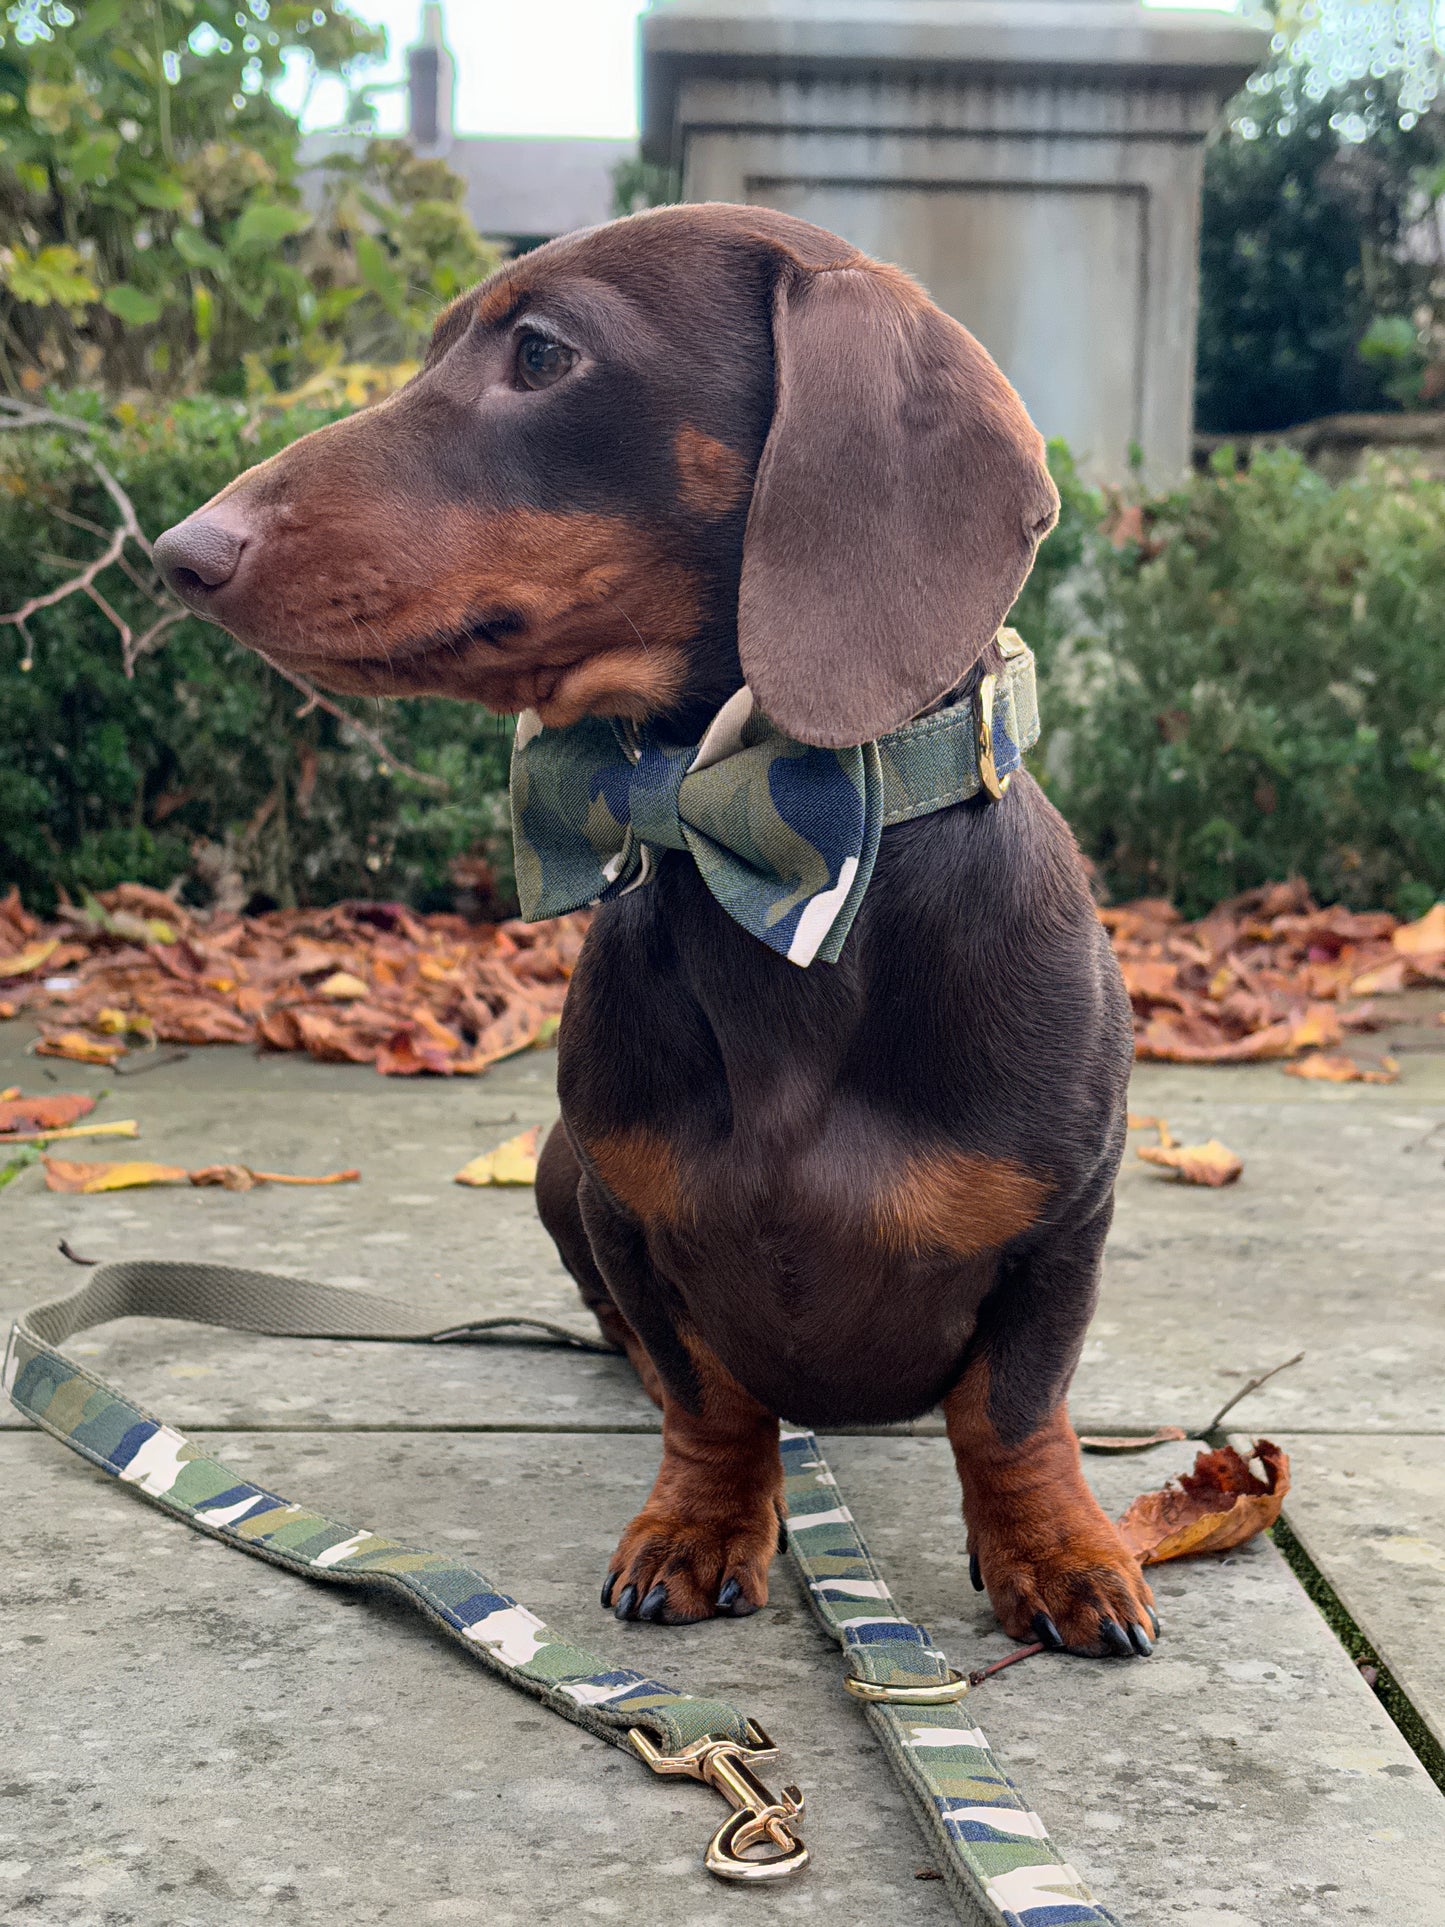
(1242, 680)
(1245, 680)
(104, 778)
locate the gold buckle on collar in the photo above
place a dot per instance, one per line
(988, 775)
(758, 1820)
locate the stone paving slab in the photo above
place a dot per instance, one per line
(1202, 1288)
(211, 1741)
(1370, 1512)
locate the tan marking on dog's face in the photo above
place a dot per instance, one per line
(955, 1201)
(522, 608)
(712, 478)
(498, 298)
(641, 1169)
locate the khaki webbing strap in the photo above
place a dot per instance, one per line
(994, 1852)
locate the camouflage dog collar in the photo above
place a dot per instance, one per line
(784, 834)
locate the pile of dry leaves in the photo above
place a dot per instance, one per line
(1268, 975)
(363, 983)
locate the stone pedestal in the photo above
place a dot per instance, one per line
(1035, 162)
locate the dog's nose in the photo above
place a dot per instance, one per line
(197, 556)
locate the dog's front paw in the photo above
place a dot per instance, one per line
(675, 1568)
(1084, 1593)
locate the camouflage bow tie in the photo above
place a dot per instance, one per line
(784, 835)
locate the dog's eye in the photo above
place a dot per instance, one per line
(542, 361)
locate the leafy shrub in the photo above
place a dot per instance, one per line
(153, 231)
(1321, 284)
(1241, 680)
(200, 766)
(1245, 680)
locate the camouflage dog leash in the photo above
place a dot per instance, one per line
(1001, 1869)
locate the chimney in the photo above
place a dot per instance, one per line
(431, 85)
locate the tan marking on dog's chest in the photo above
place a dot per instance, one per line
(955, 1201)
(641, 1169)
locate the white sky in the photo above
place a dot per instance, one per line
(523, 66)
(529, 66)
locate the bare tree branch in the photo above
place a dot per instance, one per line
(315, 700)
(22, 414)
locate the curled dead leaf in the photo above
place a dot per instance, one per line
(1324, 1069)
(514, 1162)
(1220, 1504)
(1212, 1164)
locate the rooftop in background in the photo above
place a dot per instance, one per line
(521, 188)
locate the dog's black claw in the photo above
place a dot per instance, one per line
(1139, 1640)
(975, 1572)
(626, 1600)
(1153, 1620)
(655, 1604)
(1048, 1632)
(1114, 1639)
(607, 1585)
(728, 1596)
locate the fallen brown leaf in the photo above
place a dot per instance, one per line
(19, 1113)
(1217, 1506)
(1212, 1164)
(514, 1162)
(1322, 1069)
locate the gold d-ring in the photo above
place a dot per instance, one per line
(988, 774)
(759, 1819)
(943, 1694)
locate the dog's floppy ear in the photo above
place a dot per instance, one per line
(898, 503)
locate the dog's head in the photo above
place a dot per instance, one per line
(639, 466)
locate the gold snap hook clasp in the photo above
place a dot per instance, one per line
(757, 1841)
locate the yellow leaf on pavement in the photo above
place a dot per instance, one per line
(86, 1177)
(1213, 1163)
(79, 1048)
(121, 1127)
(514, 1162)
(1322, 1069)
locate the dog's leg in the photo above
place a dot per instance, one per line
(558, 1176)
(1055, 1565)
(703, 1542)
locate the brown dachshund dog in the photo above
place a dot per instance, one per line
(641, 466)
